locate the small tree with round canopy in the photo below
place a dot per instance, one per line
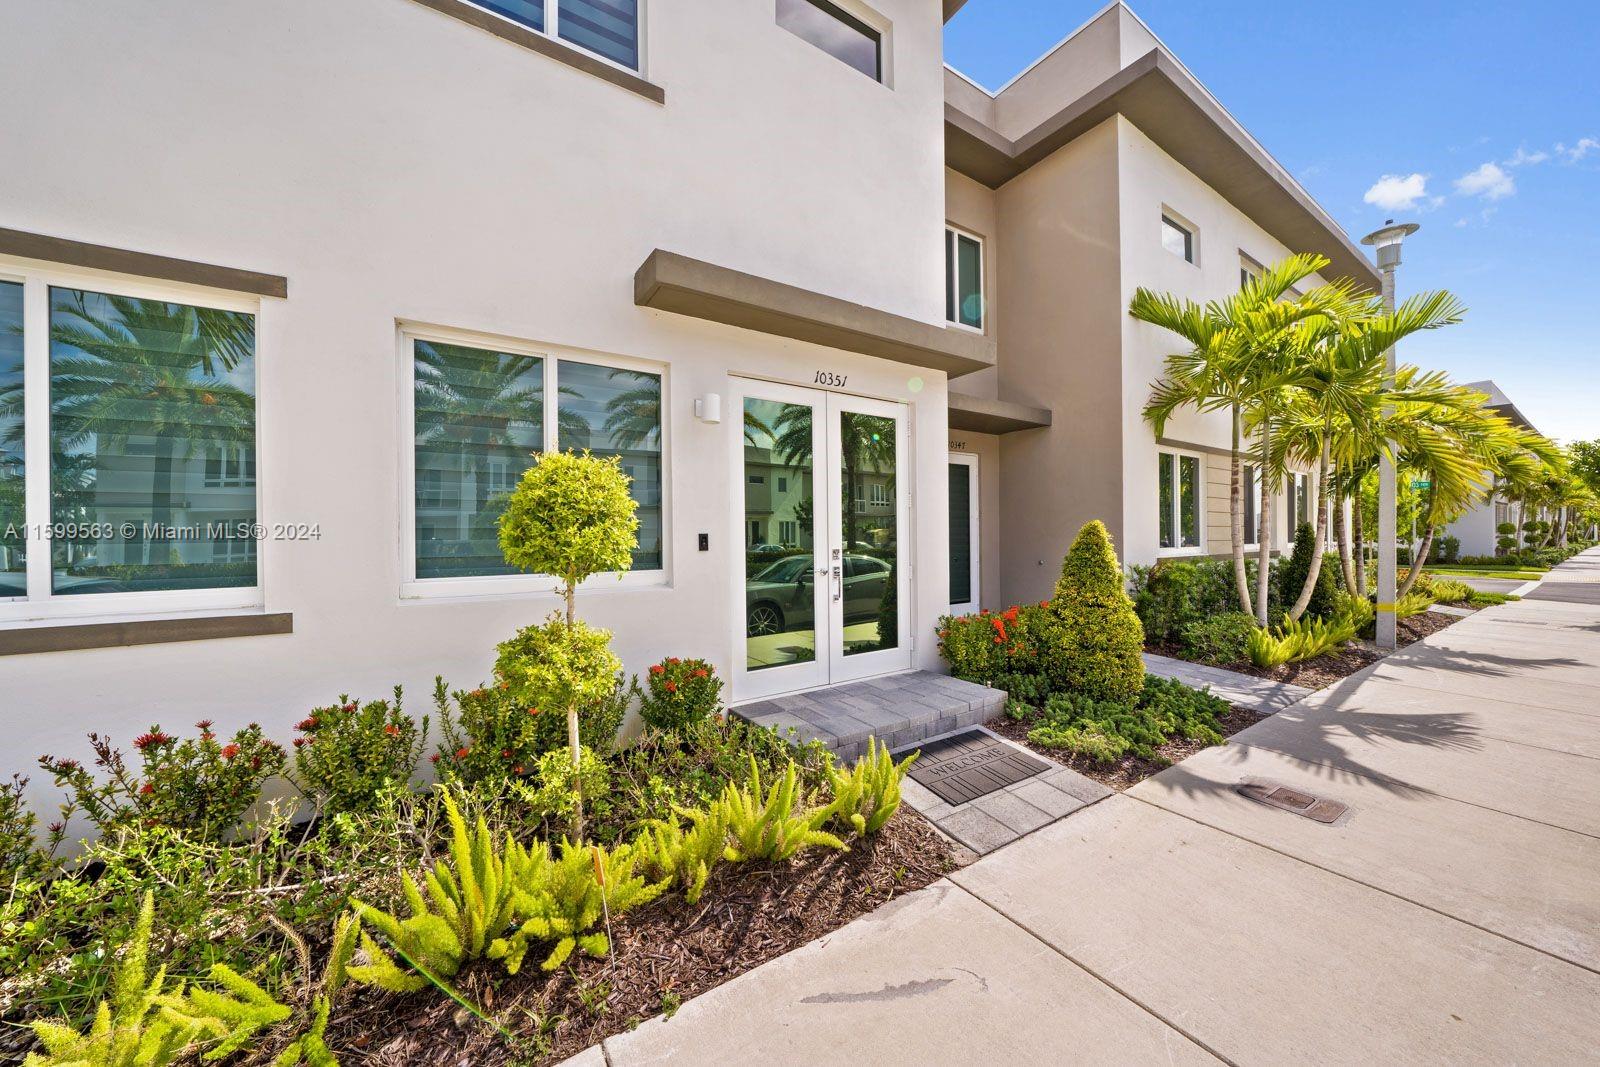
(570, 516)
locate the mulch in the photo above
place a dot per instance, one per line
(663, 954)
(1130, 770)
(1324, 671)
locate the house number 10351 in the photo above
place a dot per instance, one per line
(827, 377)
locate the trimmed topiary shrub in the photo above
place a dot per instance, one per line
(1447, 549)
(1096, 642)
(1292, 577)
(1221, 639)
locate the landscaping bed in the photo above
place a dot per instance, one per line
(662, 954)
(1132, 769)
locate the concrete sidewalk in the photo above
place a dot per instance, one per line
(1451, 915)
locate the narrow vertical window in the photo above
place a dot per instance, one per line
(961, 546)
(1189, 500)
(13, 510)
(1251, 515)
(1167, 495)
(140, 392)
(963, 270)
(616, 412)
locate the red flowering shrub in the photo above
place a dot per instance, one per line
(982, 647)
(680, 691)
(201, 787)
(490, 735)
(349, 753)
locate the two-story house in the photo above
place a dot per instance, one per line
(338, 272)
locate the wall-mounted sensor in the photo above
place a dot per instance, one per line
(705, 542)
(708, 408)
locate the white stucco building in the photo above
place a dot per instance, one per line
(340, 270)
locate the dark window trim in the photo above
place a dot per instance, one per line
(560, 51)
(143, 264)
(1188, 235)
(70, 637)
(871, 32)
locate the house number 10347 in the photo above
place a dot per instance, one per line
(827, 377)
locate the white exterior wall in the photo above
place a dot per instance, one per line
(397, 164)
(1476, 530)
(1149, 182)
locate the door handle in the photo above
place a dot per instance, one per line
(838, 584)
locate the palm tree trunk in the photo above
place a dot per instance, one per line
(1318, 538)
(1416, 560)
(1264, 538)
(1341, 534)
(1236, 517)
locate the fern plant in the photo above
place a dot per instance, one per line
(687, 856)
(867, 796)
(469, 904)
(768, 828)
(561, 898)
(236, 1014)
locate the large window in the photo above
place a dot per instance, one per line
(963, 274)
(480, 418)
(146, 425)
(836, 32)
(1178, 496)
(608, 28)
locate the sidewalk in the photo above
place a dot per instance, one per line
(1451, 915)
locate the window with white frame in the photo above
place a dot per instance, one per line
(1177, 237)
(963, 278)
(788, 532)
(1297, 491)
(480, 418)
(607, 28)
(1248, 270)
(836, 32)
(1178, 497)
(1252, 505)
(127, 446)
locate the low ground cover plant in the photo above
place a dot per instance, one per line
(1221, 639)
(1107, 730)
(1297, 641)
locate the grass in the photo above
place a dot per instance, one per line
(1525, 574)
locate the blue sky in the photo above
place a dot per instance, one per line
(1474, 97)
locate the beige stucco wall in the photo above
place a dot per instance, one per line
(1061, 323)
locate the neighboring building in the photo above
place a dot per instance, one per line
(1101, 168)
(1478, 530)
(340, 270)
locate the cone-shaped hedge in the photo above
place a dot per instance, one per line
(1098, 641)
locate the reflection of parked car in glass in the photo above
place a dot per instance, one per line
(779, 599)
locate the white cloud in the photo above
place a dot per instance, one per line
(1488, 181)
(1576, 152)
(1525, 158)
(1394, 192)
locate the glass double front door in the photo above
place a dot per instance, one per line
(823, 515)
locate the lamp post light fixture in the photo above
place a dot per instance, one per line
(1387, 243)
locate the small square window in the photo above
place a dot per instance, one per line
(1177, 239)
(836, 32)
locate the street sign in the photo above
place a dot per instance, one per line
(1420, 484)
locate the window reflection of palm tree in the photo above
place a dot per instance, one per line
(866, 442)
(472, 403)
(122, 368)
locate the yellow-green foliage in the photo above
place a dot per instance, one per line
(687, 856)
(1412, 603)
(867, 796)
(555, 666)
(765, 826)
(1358, 609)
(311, 1047)
(1300, 640)
(1450, 591)
(469, 905)
(145, 1025)
(570, 516)
(560, 899)
(1096, 643)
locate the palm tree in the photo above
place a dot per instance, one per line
(1233, 364)
(866, 443)
(122, 368)
(472, 403)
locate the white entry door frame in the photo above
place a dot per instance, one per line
(811, 609)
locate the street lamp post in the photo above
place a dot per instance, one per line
(1387, 242)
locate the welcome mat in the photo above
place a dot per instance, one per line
(971, 764)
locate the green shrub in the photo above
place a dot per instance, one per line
(1174, 593)
(1447, 549)
(1358, 609)
(199, 786)
(21, 858)
(492, 735)
(867, 796)
(983, 647)
(1413, 603)
(552, 791)
(1488, 600)
(687, 856)
(1026, 688)
(1220, 639)
(1296, 641)
(1107, 730)
(348, 753)
(1449, 591)
(680, 691)
(1094, 645)
(1293, 575)
(767, 825)
(1266, 650)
